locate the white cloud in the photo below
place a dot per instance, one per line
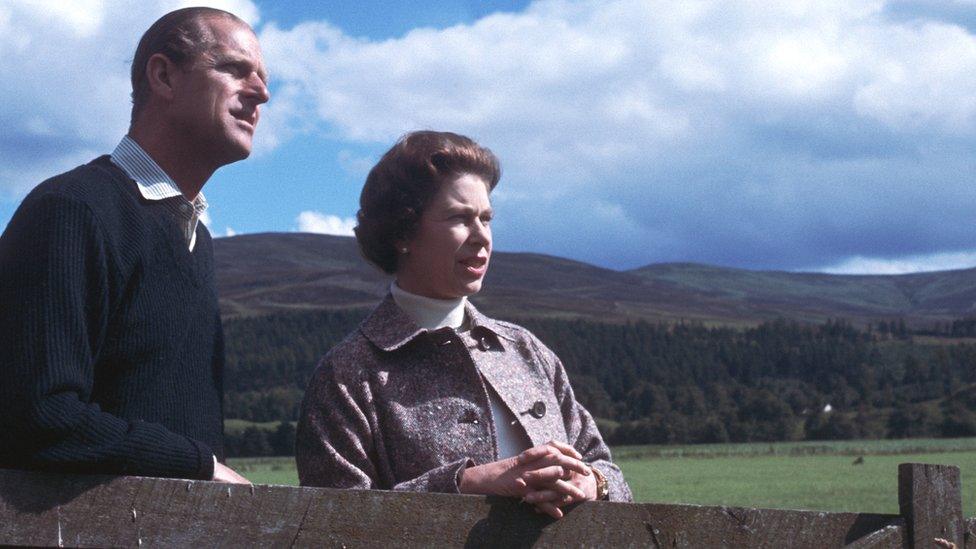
(315, 222)
(207, 220)
(66, 80)
(606, 72)
(355, 165)
(777, 134)
(752, 133)
(912, 264)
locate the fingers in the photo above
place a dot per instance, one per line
(550, 509)
(532, 454)
(544, 475)
(554, 478)
(547, 456)
(551, 448)
(222, 473)
(548, 496)
(566, 449)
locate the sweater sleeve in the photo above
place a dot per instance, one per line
(56, 284)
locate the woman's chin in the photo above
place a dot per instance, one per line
(471, 288)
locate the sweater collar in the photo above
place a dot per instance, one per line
(389, 327)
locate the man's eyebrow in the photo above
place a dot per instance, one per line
(240, 56)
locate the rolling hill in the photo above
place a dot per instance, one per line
(263, 273)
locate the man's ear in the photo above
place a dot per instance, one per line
(160, 72)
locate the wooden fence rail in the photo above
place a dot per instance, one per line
(68, 510)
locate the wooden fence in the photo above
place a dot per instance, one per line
(65, 510)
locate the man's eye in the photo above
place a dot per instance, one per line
(237, 69)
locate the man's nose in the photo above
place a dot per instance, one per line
(257, 89)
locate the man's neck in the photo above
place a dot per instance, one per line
(185, 168)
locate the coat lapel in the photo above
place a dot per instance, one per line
(518, 379)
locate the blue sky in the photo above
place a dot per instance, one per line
(806, 135)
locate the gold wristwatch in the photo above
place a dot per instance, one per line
(602, 486)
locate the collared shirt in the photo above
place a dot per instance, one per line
(154, 184)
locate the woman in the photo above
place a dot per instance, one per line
(429, 394)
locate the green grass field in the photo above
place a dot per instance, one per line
(803, 475)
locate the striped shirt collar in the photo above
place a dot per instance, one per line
(154, 184)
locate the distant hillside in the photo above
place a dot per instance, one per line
(263, 273)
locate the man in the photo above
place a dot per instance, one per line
(111, 348)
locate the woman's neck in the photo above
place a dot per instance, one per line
(428, 312)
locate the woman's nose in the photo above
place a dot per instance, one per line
(481, 233)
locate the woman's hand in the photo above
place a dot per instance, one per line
(548, 497)
(553, 472)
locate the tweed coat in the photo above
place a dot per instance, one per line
(398, 407)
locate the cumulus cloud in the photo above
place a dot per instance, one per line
(747, 133)
(315, 222)
(355, 165)
(66, 80)
(832, 134)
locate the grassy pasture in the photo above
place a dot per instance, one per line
(799, 475)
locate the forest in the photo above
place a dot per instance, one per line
(668, 383)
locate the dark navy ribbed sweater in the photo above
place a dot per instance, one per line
(111, 349)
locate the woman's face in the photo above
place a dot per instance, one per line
(448, 256)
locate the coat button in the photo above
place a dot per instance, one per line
(469, 416)
(483, 343)
(538, 409)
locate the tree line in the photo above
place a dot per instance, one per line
(672, 382)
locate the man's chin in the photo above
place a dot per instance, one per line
(240, 152)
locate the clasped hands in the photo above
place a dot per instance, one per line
(548, 476)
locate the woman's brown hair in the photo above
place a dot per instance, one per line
(401, 184)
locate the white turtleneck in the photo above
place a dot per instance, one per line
(434, 314)
(428, 312)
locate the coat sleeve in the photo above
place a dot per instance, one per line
(338, 446)
(581, 429)
(55, 287)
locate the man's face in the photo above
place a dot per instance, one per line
(217, 96)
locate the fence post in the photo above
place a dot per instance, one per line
(930, 499)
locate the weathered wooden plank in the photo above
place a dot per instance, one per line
(47, 509)
(930, 499)
(889, 537)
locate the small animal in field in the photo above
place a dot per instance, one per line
(858, 461)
